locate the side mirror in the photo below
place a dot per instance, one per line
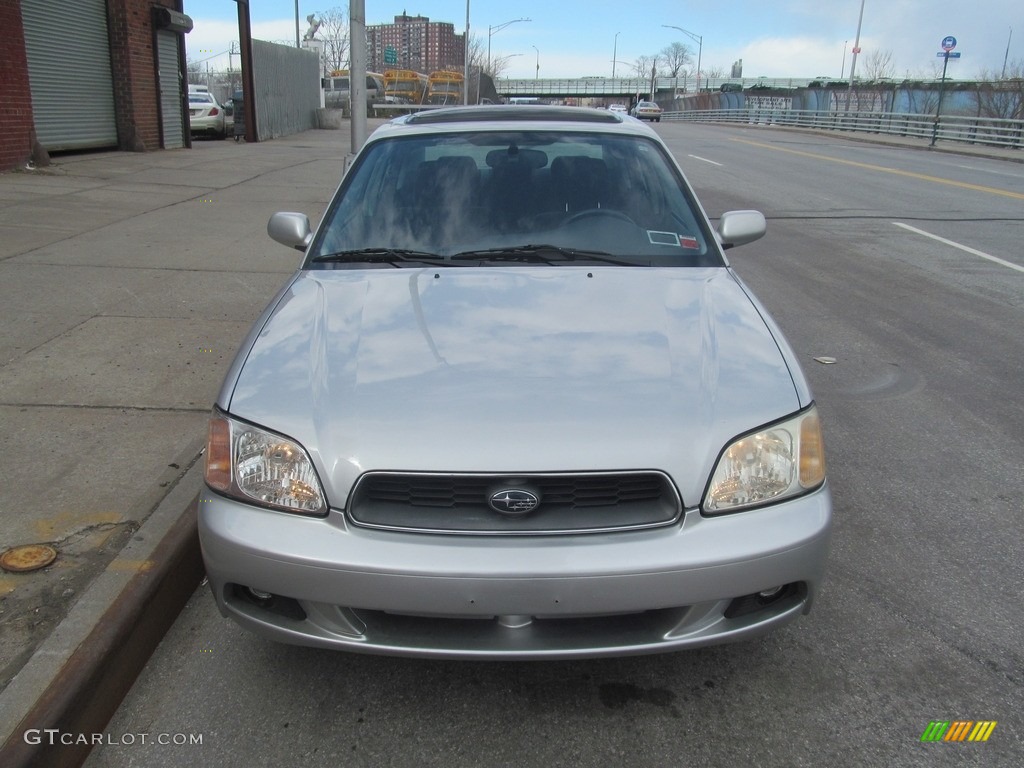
(740, 227)
(291, 229)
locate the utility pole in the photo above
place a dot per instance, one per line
(357, 72)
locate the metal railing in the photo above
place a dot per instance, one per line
(596, 86)
(972, 130)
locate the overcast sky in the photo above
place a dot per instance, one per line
(775, 38)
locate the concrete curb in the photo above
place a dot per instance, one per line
(77, 679)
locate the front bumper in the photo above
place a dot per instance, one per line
(567, 596)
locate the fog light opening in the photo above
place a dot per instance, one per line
(752, 603)
(287, 607)
(767, 595)
(259, 594)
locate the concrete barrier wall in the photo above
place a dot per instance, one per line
(287, 89)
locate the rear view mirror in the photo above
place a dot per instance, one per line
(740, 227)
(291, 229)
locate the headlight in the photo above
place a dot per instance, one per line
(254, 465)
(784, 460)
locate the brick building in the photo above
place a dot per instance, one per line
(101, 73)
(419, 44)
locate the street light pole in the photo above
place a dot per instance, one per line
(465, 66)
(615, 51)
(853, 58)
(699, 40)
(493, 31)
(536, 76)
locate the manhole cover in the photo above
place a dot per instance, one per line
(30, 557)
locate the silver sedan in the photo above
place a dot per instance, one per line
(515, 404)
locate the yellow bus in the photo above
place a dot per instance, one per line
(404, 86)
(444, 87)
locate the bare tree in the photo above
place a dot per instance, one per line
(998, 96)
(642, 65)
(878, 65)
(477, 59)
(712, 73)
(333, 33)
(498, 66)
(196, 73)
(673, 58)
(477, 53)
(921, 99)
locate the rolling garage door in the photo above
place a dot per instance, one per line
(169, 74)
(69, 73)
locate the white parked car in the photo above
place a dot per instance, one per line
(205, 114)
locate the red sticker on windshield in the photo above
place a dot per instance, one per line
(685, 241)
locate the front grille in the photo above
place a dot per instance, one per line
(569, 503)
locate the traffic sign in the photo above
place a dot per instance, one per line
(390, 55)
(948, 43)
(950, 54)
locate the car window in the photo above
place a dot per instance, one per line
(449, 193)
(200, 98)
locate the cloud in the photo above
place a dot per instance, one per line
(210, 39)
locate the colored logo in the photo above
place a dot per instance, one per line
(958, 730)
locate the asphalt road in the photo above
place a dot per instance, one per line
(921, 618)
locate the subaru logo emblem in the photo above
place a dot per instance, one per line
(513, 501)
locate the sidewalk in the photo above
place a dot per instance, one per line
(126, 282)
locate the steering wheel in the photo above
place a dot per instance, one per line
(590, 213)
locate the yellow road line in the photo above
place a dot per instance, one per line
(884, 169)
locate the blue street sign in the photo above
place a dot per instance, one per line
(950, 54)
(948, 43)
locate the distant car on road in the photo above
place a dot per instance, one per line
(616, 108)
(439, 441)
(647, 110)
(205, 114)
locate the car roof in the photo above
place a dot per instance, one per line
(511, 117)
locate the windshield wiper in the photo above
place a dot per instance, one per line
(544, 254)
(384, 256)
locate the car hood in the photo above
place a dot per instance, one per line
(513, 370)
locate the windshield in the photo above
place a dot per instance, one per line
(478, 193)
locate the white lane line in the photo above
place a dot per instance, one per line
(973, 251)
(704, 160)
(989, 170)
